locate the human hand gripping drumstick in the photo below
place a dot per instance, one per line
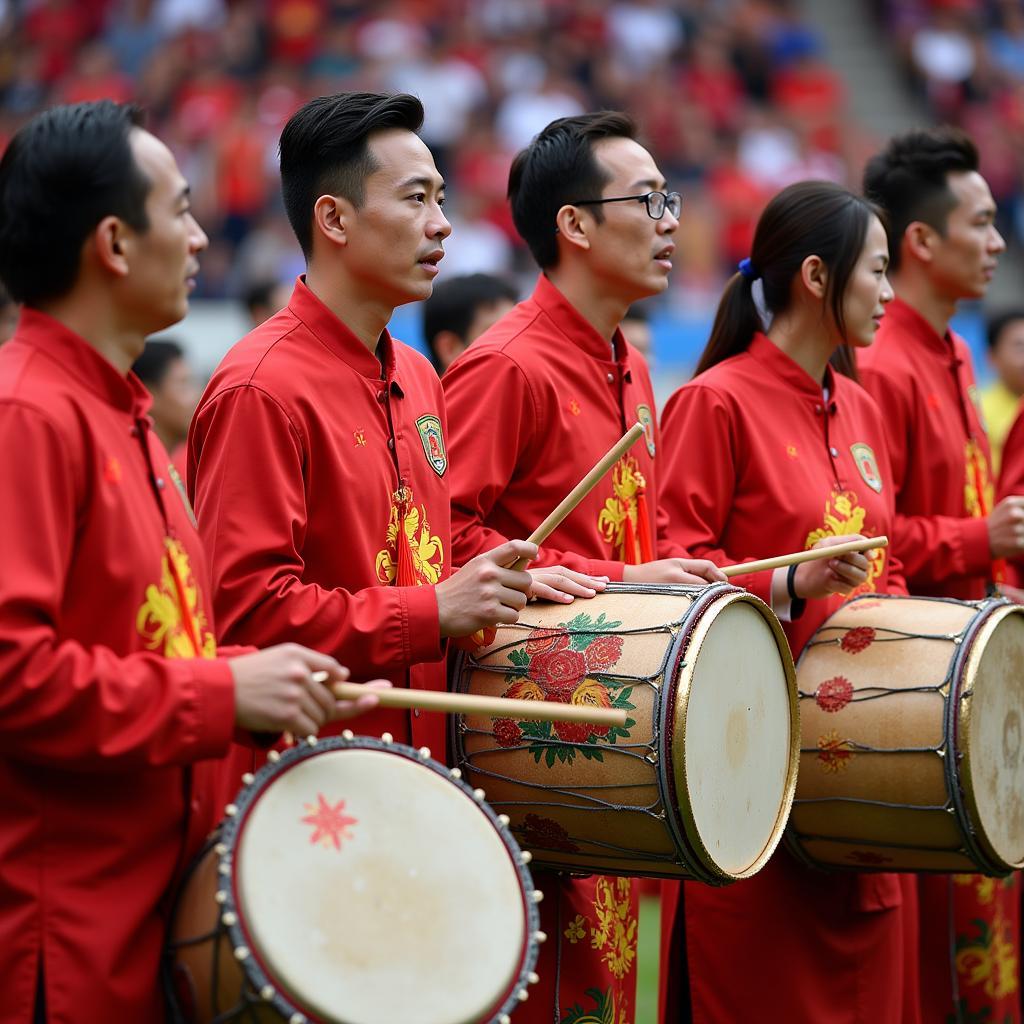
(582, 489)
(472, 704)
(798, 557)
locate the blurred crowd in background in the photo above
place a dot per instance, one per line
(735, 98)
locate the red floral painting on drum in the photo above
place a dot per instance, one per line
(330, 824)
(858, 639)
(545, 834)
(569, 663)
(834, 694)
(868, 858)
(834, 754)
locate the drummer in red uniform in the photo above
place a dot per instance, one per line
(112, 686)
(533, 404)
(318, 456)
(944, 247)
(769, 449)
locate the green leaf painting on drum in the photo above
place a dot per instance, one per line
(568, 663)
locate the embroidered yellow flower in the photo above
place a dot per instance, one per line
(172, 606)
(427, 550)
(991, 959)
(626, 481)
(844, 515)
(615, 932)
(979, 493)
(577, 929)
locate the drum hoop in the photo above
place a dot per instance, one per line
(704, 614)
(977, 840)
(252, 964)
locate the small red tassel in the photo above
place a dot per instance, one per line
(643, 525)
(406, 571)
(629, 549)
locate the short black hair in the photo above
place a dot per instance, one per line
(998, 323)
(909, 179)
(638, 311)
(453, 304)
(324, 150)
(259, 295)
(152, 366)
(558, 168)
(63, 172)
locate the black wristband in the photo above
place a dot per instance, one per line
(791, 584)
(796, 604)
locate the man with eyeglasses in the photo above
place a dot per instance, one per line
(532, 405)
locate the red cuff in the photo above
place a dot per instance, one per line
(757, 583)
(214, 685)
(974, 547)
(421, 626)
(613, 570)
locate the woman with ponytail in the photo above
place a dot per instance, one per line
(774, 447)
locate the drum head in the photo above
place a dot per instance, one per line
(373, 890)
(740, 735)
(993, 753)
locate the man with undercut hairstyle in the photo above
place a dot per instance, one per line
(111, 686)
(318, 456)
(950, 535)
(533, 404)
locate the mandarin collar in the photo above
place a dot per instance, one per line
(337, 338)
(913, 325)
(769, 355)
(72, 352)
(577, 329)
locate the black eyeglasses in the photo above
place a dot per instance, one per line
(656, 202)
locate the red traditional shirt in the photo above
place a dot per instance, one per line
(924, 386)
(758, 462)
(316, 476)
(1011, 481)
(533, 404)
(106, 696)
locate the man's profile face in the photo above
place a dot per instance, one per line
(630, 254)
(1008, 356)
(163, 260)
(965, 256)
(394, 241)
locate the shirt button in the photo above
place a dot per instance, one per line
(415, 712)
(134, 431)
(818, 409)
(611, 378)
(160, 482)
(381, 397)
(391, 443)
(834, 452)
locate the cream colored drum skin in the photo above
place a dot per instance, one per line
(356, 881)
(697, 785)
(912, 755)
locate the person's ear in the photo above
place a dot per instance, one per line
(814, 276)
(919, 241)
(111, 242)
(573, 226)
(332, 217)
(448, 346)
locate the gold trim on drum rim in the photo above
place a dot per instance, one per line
(684, 812)
(998, 865)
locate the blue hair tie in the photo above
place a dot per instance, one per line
(746, 268)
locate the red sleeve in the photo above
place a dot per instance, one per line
(698, 479)
(63, 702)
(1011, 481)
(250, 501)
(495, 424)
(931, 548)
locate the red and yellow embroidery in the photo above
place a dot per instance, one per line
(988, 959)
(171, 619)
(844, 515)
(979, 492)
(412, 554)
(623, 521)
(614, 933)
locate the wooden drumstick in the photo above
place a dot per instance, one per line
(473, 704)
(581, 490)
(780, 561)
